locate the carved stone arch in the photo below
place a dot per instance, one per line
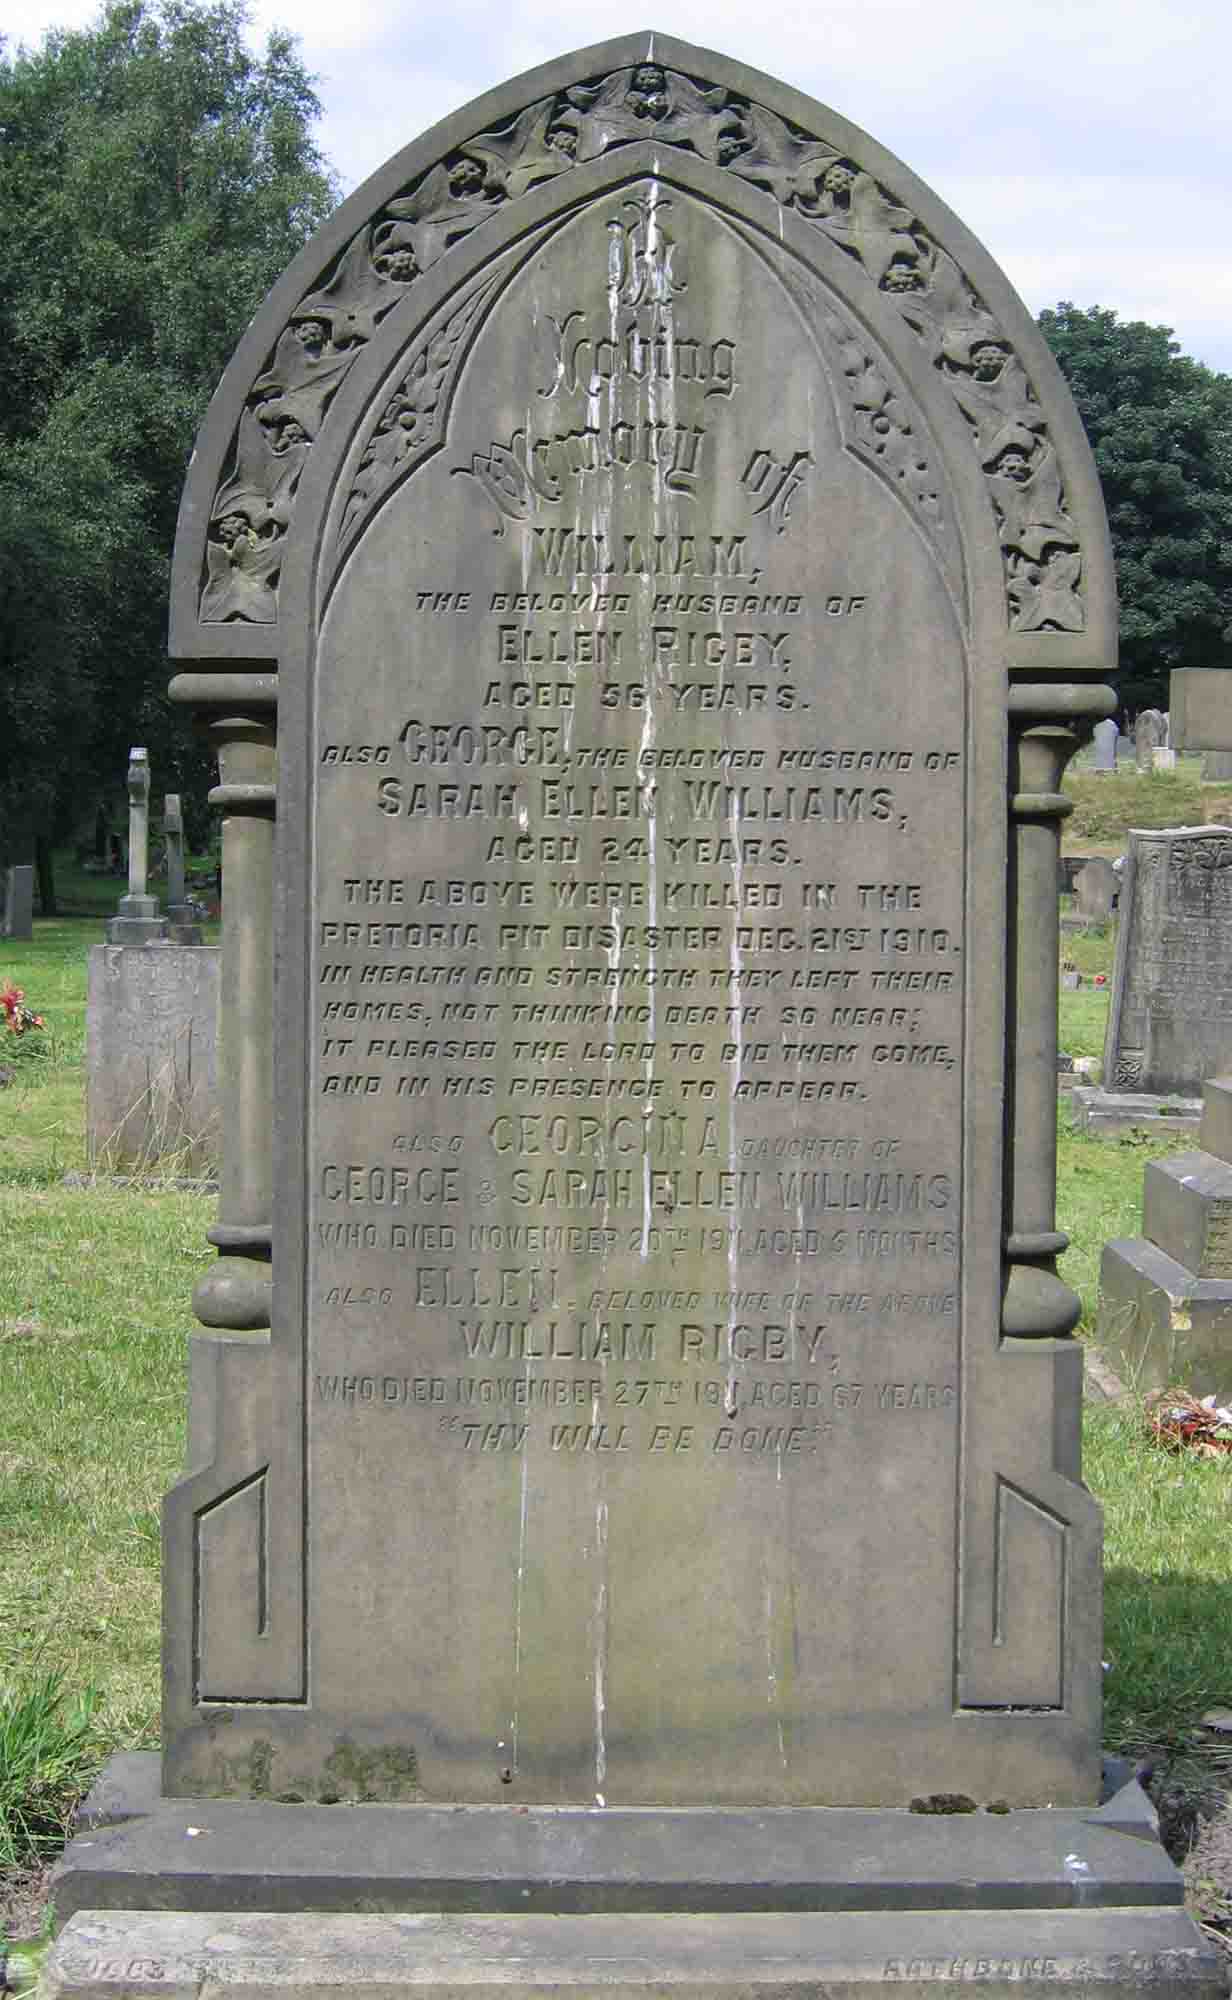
(796, 158)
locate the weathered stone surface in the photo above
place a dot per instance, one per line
(1170, 1018)
(18, 913)
(1217, 767)
(152, 1058)
(668, 531)
(730, 1956)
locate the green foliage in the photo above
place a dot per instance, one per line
(155, 178)
(1160, 425)
(45, 1755)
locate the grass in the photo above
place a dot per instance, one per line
(1106, 806)
(95, 1283)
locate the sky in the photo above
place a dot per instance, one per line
(1086, 142)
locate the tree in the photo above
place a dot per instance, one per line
(1160, 425)
(155, 178)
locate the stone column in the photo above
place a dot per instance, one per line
(236, 714)
(137, 920)
(184, 928)
(1047, 725)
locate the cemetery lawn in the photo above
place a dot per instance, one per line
(95, 1282)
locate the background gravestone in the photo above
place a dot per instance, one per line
(1170, 1018)
(1148, 737)
(19, 901)
(1104, 741)
(1095, 889)
(651, 538)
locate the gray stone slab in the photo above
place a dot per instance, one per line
(1160, 1326)
(1111, 1111)
(101, 1956)
(151, 1058)
(139, 1850)
(1170, 1016)
(1148, 737)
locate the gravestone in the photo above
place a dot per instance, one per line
(182, 924)
(152, 1101)
(648, 536)
(1104, 740)
(152, 1004)
(19, 901)
(1217, 767)
(1148, 736)
(1165, 1298)
(137, 921)
(1095, 890)
(1170, 1015)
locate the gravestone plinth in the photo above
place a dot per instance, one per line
(18, 914)
(1170, 1016)
(645, 557)
(1165, 1299)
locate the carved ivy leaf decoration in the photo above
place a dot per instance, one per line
(798, 170)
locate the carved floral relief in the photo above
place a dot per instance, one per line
(290, 400)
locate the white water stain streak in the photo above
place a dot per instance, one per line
(517, 1619)
(772, 1679)
(601, 1652)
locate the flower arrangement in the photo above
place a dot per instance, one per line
(18, 1018)
(21, 1038)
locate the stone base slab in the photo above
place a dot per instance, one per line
(111, 1956)
(1160, 1325)
(1105, 1112)
(137, 1850)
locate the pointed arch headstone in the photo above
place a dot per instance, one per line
(641, 531)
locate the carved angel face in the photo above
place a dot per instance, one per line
(465, 177)
(398, 264)
(231, 529)
(312, 335)
(289, 432)
(902, 278)
(1014, 465)
(563, 139)
(838, 181)
(648, 91)
(987, 360)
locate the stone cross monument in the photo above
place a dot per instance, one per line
(645, 559)
(137, 921)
